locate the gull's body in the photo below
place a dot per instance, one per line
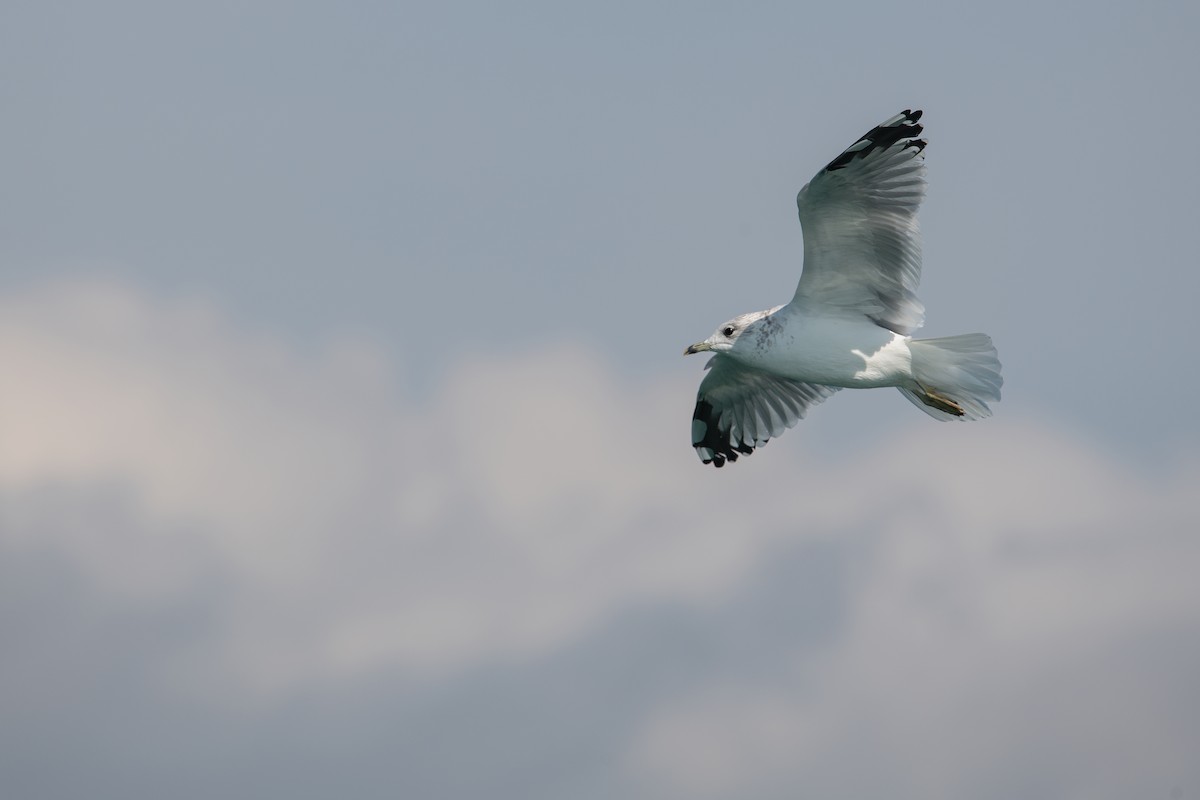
(849, 322)
(842, 350)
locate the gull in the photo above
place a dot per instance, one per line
(848, 325)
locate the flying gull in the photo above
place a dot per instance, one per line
(849, 323)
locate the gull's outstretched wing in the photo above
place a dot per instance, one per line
(862, 246)
(739, 408)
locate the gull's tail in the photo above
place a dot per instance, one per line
(955, 376)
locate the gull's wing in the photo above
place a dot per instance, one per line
(862, 246)
(739, 408)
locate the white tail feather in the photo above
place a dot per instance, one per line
(963, 370)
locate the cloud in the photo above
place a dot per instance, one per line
(234, 527)
(494, 521)
(1037, 656)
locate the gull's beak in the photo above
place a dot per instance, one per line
(697, 348)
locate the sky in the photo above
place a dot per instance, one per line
(344, 431)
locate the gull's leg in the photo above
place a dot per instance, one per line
(934, 400)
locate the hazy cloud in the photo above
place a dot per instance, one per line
(528, 582)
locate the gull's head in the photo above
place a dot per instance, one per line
(727, 333)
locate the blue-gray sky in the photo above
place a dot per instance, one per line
(343, 426)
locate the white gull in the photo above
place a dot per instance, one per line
(849, 322)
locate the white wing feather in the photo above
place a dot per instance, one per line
(739, 408)
(862, 245)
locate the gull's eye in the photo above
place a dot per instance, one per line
(728, 330)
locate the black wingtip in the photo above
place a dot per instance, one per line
(714, 440)
(904, 125)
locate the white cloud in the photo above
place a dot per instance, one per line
(533, 496)
(998, 573)
(1005, 620)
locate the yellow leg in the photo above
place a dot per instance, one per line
(934, 400)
